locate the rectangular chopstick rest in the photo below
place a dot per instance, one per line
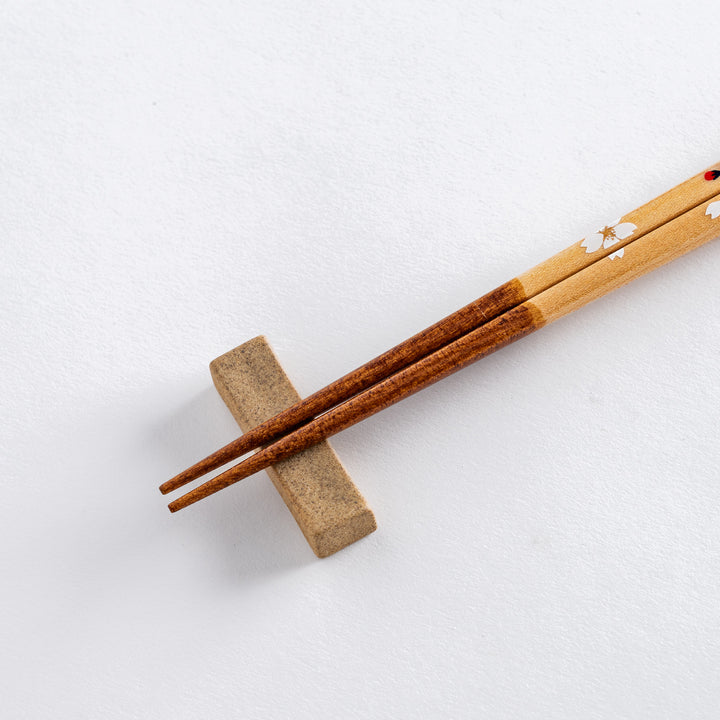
(319, 493)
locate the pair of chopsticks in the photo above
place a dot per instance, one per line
(667, 227)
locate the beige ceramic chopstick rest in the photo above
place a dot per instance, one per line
(318, 491)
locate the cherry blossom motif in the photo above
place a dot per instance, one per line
(713, 210)
(608, 236)
(617, 254)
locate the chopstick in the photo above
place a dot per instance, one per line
(675, 238)
(606, 241)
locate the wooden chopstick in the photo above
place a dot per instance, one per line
(609, 240)
(675, 238)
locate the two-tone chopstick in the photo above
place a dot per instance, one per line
(637, 257)
(608, 240)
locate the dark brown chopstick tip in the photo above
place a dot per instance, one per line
(183, 478)
(186, 476)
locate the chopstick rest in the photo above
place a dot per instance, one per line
(316, 488)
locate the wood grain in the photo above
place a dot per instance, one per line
(488, 338)
(418, 346)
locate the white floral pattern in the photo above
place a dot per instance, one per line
(608, 236)
(713, 210)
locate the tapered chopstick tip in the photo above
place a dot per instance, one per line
(166, 487)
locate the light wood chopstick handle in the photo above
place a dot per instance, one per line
(616, 234)
(685, 233)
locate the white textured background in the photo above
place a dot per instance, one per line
(178, 177)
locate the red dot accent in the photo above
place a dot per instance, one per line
(711, 174)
